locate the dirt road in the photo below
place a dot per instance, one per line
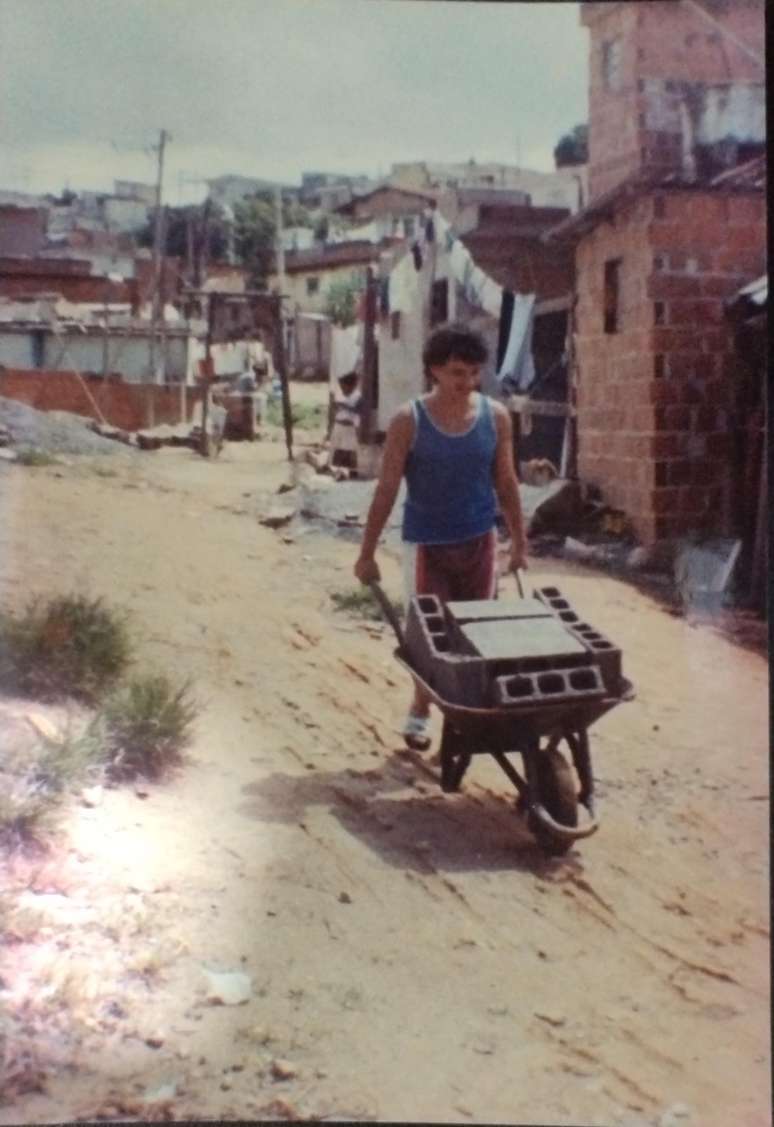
(411, 954)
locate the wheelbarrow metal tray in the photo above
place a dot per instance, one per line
(507, 727)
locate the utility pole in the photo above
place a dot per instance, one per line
(279, 250)
(278, 243)
(157, 303)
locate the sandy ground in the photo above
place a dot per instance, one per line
(411, 955)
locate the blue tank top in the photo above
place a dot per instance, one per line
(450, 479)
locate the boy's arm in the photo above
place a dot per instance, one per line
(507, 487)
(396, 447)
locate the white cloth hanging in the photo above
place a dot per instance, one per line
(345, 351)
(517, 369)
(491, 297)
(403, 286)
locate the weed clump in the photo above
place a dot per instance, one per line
(147, 725)
(361, 603)
(305, 416)
(32, 456)
(67, 646)
(32, 784)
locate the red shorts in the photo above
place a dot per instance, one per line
(452, 571)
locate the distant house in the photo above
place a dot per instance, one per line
(231, 189)
(675, 225)
(394, 212)
(565, 187)
(327, 190)
(22, 229)
(309, 273)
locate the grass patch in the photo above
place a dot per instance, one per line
(361, 603)
(31, 456)
(31, 790)
(67, 646)
(305, 416)
(147, 725)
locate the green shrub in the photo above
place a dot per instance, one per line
(147, 725)
(67, 646)
(31, 789)
(31, 456)
(305, 416)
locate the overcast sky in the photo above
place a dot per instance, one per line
(276, 87)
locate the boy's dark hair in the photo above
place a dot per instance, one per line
(453, 341)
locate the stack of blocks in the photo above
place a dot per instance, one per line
(510, 652)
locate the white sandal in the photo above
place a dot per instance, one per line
(416, 732)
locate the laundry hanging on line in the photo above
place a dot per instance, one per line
(346, 351)
(403, 286)
(515, 371)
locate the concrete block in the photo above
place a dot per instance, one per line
(555, 685)
(460, 678)
(604, 653)
(519, 639)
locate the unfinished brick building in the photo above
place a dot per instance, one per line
(674, 227)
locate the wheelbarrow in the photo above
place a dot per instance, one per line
(551, 788)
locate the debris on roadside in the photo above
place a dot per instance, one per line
(228, 988)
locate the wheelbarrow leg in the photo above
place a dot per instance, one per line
(581, 758)
(455, 760)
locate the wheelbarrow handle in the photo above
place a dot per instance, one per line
(518, 576)
(387, 610)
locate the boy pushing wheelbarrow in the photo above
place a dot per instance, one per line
(454, 446)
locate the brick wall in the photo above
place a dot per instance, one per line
(127, 406)
(655, 400)
(636, 124)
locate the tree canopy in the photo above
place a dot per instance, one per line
(573, 147)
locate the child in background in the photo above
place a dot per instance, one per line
(346, 419)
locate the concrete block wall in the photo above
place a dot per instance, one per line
(662, 45)
(126, 406)
(615, 412)
(655, 400)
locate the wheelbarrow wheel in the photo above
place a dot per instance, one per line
(556, 780)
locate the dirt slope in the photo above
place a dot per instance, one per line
(411, 954)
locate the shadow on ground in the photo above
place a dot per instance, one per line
(425, 830)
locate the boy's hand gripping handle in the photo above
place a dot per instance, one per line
(387, 610)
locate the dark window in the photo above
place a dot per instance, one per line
(395, 326)
(312, 285)
(612, 286)
(439, 302)
(658, 313)
(659, 210)
(658, 367)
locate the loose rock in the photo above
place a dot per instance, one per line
(283, 1070)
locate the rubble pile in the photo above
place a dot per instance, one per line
(53, 432)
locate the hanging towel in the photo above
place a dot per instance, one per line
(476, 281)
(460, 259)
(515, 366)
(345, 351)
(491, 297)
(403, 286)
